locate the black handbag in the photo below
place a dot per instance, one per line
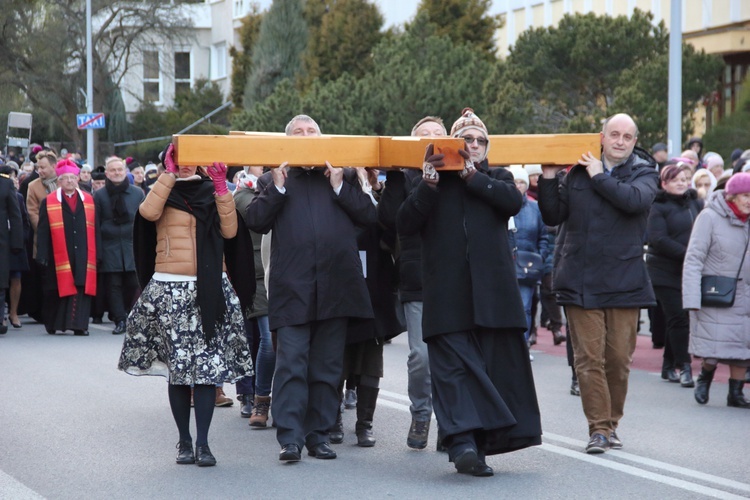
(529, 267)
(719, 291)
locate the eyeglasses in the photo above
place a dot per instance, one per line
(480, 140)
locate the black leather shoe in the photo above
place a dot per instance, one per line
(557, 337)
(204, 457)
(3, 329)
(290, 453)
(481, 469)
(614, 441)
(673, 376)
(597, 444)
(119, 328)
(466, 461)
(81, 333)
(185, 453)
(322, 451)
(246, 406)
(96, 321)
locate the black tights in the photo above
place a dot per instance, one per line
(204, 398)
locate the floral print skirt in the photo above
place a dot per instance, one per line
(165, 337)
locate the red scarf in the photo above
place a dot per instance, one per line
(65, 282)
(740, 215)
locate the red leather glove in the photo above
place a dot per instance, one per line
(469, 169)
(218, 174)
(169, 165)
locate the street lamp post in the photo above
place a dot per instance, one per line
(90, 158)
(674, 113)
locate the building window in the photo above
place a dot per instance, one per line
(151, 80)
(182, 75)
(219, 61)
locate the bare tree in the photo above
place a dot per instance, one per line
(43, 50)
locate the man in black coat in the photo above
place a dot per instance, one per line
(316, 283)
(116, 206)
(473, 322)
(398, 185)
(600, 276)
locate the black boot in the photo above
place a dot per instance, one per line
(246, 405)
(686, 376)
(668, 372)
(703, 384)
(736, 398)
(747, 375)
(336, 433)
(367, 399)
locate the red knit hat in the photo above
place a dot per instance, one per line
(66, 166)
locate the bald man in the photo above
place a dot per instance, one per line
(600, 276)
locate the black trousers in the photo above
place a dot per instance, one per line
(309, 363)
(677, 335)
(121, 291)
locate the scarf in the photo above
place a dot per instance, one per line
(65, 281)
(120, 213)
(196, 197)
(742, 217)
(50, 184)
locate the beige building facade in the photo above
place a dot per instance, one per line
(717, 26)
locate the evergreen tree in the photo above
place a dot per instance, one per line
(277, 54)
(343, 34)
(464, 21)
(242, 59)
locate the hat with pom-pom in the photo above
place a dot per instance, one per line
(468, 121)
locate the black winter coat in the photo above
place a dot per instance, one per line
(11, 228)
(670, 223)
(467, 268)
(599, 252)
(315, 269)
(116, 251)
(398, 185)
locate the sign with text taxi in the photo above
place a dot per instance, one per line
(93, 120)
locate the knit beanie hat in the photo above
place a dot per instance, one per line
(738, 184)
(533, 169)
(131, 163)
(519, 173)
(470, 121)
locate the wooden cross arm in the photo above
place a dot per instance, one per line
(239, 149)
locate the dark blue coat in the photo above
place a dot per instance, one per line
(315, 270)
(599, 251)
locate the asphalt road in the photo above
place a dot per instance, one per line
(72, 426)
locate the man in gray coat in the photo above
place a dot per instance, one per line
(600, 276)
(116, 206)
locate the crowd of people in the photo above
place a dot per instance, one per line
(287, 282)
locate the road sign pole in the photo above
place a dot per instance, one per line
(90, 158)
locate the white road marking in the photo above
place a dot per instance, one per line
(11, 488)
(610, 462)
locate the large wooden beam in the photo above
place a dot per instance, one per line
(264, 149)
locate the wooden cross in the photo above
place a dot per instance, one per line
(265, 149)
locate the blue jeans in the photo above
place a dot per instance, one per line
(527, 293)
(418, 364)
(265, 362)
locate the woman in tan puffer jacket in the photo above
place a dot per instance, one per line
(187, 324)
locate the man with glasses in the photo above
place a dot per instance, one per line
(66, 249)
(600, 276)
(473, 318)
